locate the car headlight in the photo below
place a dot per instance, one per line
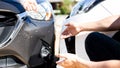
(40, 15)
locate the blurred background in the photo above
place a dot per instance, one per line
(62, 7)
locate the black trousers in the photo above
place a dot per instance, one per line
(100, 47)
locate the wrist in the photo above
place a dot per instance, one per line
(84, 63)
(80, 28)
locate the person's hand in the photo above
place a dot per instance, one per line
(30, 5)
(71, 61)
(71, 30)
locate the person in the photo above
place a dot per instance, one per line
(31, 5)
(80, 8)
(104, 52)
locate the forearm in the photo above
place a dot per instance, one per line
(106, 64)
(102, 64)
(107, 24)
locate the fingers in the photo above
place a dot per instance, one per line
(68, 24)
(66, 35)
(60, 61)
(62, 58)
(71, 30)
(67, 32)
(30, 5)
(34, 6)
(65, 61)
